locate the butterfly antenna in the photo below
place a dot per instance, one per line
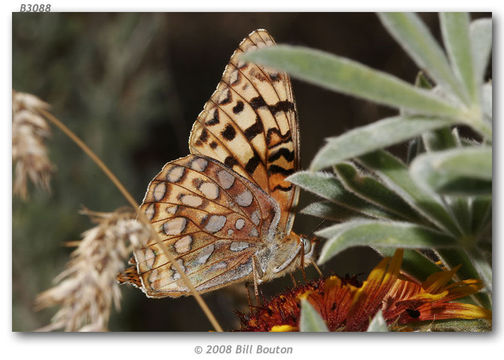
(317, 227)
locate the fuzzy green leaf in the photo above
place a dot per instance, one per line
(378, 324)
(373, 191)
(350, 77)
(481, 213)
(415, 148)
(443, 139)
(461, 171)
(455, 30)
(418, 42)
(329, 211)
(376, 233)
(330, 188)
(311, 321)
(481, 41)
(440, 139)
(395, 175)
(377, 135)
(486, 101)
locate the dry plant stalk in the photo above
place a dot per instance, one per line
(87, 288)
(29, 152)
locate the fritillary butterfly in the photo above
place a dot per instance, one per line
(225, 211)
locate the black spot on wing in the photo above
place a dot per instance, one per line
(238, 108)
(204, 220)
(288, 155)
(214, 120)
(229, 132)
(230, 161)
(284, 105)
(228, 98)
(252, 164)
(275, 169)
(257, 102)
(204, 136)
(285, 138)
(253, 130)
(283, 188)
(275, 77)
(213, 144)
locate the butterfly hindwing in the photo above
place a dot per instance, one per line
(210, 218)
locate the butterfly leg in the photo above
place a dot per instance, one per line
(317, 268)
(302, 254)
(256, 277)
(294, 282)
(248, 296)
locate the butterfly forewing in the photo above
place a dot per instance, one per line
(211, 219)
(250, 124)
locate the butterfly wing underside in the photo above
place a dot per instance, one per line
(250, 124)
(211, 219)
(217, 208)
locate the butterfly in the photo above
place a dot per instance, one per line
(225, 211)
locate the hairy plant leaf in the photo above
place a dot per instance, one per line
(481, 41)
(376, 233)
(395, 175)
(373, 191)
(311, 321)
(414, 37)
(350, 77)
(486, 101)
(377, 135)
(330, 188)
(378, 324)
(455, 30)
(481, 214)
(329, 211)
(439, 139)
(443, 139)
(415, 148)
(461, 171)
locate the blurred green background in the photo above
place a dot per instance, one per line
(131, 85)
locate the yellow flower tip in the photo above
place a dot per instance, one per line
(437, 281)
(468, 311)
(283, 328)
(304, 296)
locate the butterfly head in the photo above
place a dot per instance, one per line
(308, 248)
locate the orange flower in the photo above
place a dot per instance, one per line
(346, 305)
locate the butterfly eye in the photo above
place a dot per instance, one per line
(306, 245)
